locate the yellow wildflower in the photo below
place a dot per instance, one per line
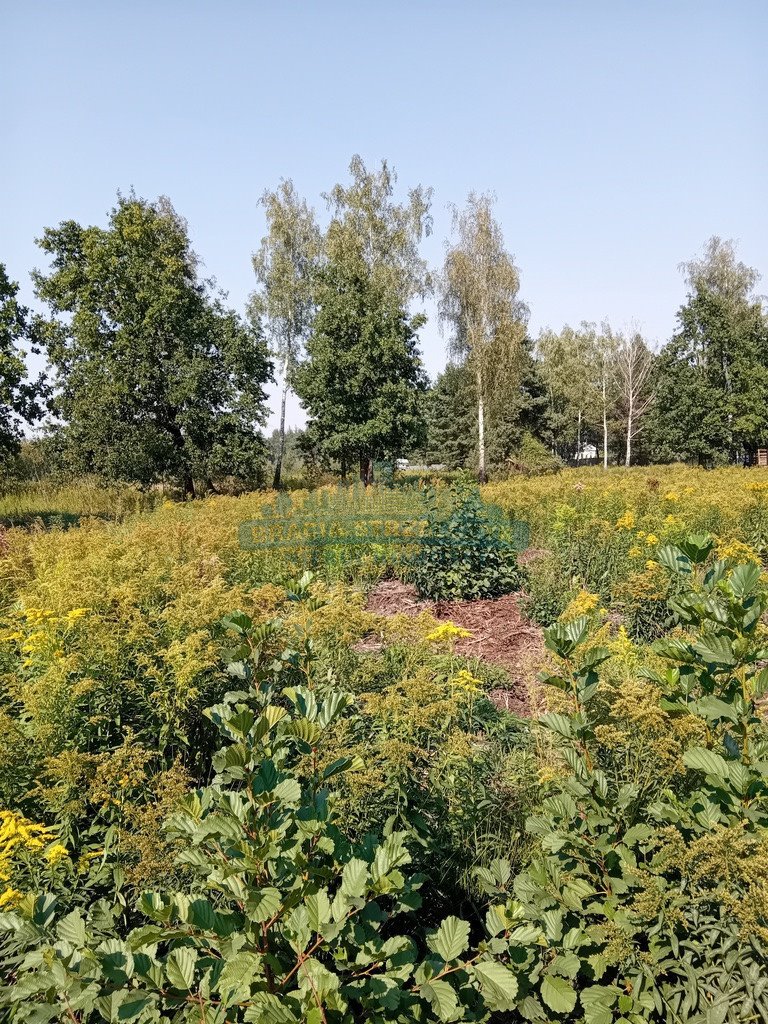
(671, 496)
(9, 897)
(627, 521)
(651, 540)
(446, 631)
(75, 614)
(466, 681)
(56, 853)
(634, 551)
(583, 604)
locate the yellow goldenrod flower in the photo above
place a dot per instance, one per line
(466, 681)
(9, 897)
(56, 853)
(446, 631)
(627, 521)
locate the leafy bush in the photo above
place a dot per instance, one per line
(533, 458)
(467, 551)
(654, 911)
(284, 920)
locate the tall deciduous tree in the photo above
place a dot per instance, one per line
(479, 301)
(634, 367)
(569, 369)
(155, 379)
(711, 380)
(606, 380)
(362, 378)
(285, 266)
(19, 397)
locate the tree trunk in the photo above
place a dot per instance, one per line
(605, 428)
(628, 457)
(281, 449)
(366, 470)
(578, 439)
(177, 435)
(480, 429)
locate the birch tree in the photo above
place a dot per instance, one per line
(479, 302)
(605, 383)
(284, 265)
(569, 370)
(634, 366)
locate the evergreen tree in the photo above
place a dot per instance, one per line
(451, 415)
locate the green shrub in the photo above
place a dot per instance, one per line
(467, 551)
(636, 911)
(548, 589)
(285, 920)
(533, 458)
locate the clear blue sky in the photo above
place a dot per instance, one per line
(618, 136)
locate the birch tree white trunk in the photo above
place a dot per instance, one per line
(480, 429)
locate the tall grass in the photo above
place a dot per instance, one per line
(65, 504)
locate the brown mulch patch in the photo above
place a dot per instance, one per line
(501, 635)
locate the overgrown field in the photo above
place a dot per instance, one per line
(600, 531)
(228, 792)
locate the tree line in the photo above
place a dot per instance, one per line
(150, 376)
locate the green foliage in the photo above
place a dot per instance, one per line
(362, 378)
(711, 382)
(19, 397)
(155, 379)
(451, 415)
(285, 920)
(649, 910)
(533, 458)
(466, 552)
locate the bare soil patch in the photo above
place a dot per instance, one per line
(501, 635)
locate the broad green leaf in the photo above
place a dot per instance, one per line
(354, 878)
(675, 560)
(262, 904)
(558, 993)
(318, 910)
(180, 967)
(443, 1000)
(498, 985)
(744, 578)
(598, 1002)
(708, 761)
(716, 650)
(713, 709)
(72, 929)
(451, 938)
(238, 973)
(560, 724)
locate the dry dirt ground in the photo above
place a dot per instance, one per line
(501, 635)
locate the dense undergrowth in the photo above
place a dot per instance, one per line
(374, 840)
